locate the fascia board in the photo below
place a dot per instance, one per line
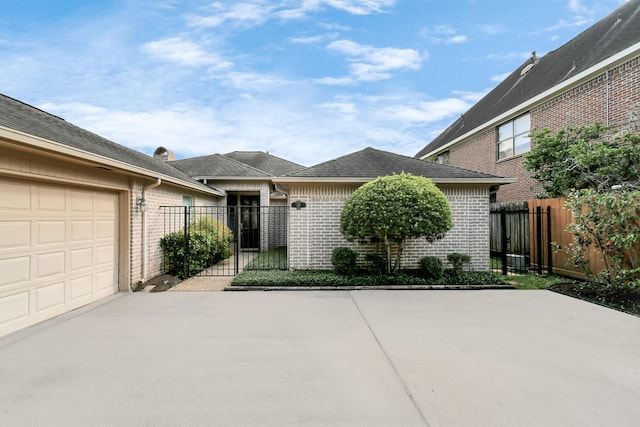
(613, 61)
(311, 180)
(32, 141)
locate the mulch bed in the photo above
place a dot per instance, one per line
(626, 299)
(160, 283)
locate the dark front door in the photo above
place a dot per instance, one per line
(250, 222)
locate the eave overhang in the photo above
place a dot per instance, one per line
(55, 148)
(588, 74)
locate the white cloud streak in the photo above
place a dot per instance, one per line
(367, 63)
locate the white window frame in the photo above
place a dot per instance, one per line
(513, 137)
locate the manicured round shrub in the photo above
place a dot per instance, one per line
(344, 261)
(431, 267)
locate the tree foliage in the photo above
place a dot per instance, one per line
(395, 208)
(610, 223)
(577, 158)
(599, 171)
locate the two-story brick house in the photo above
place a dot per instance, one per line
(595, 77)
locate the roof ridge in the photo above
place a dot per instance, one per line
(330, 161)
(34, 108)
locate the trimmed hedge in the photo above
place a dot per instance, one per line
(209, 242)
(330, 278)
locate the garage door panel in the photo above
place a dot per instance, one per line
(15, 234)
(80, 287)
(105, 255)
(49, 199)
(105, 280)
(81, 202)
(106, 229)
(49, 264)
(15, 270)
(49, 296)
(14, 307)
(16, 197)
(81, 259)
(50, 232)
(106, 205)
(81, 230)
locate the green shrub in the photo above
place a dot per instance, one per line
(209, 242)
(431, 267)
(344, 261)
(458, 261)
(377, 263)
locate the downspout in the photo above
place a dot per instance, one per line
(144, 231)
(607, 96)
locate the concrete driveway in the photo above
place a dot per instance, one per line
(367, 358)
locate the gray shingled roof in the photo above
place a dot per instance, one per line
(616, 32)
(371, 163)
(266, 162)
(24, 118)
(217, 165)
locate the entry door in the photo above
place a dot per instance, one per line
(250, 222)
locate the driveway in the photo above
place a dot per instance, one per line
(362, 358)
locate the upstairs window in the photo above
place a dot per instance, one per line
(443, 158)
(513, 137)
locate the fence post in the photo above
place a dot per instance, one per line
(187, 258)
(539, 238)
(503, 239)
(549, 246)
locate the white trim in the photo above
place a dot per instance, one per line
(588, 74)
(12, 135)
(338, 180)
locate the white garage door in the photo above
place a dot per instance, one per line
(58, 250)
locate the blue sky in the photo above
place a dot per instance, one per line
(307, 80)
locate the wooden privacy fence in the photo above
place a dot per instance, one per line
(560, 218)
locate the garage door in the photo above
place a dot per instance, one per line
(58, 250)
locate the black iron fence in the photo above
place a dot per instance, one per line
(223, 240)
(520, 238)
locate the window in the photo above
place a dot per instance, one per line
(443, 158)
(513, 137)
(187, 201)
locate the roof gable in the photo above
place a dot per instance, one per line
(272, 165)
(217, 165)
(609, 36)
(371, 163)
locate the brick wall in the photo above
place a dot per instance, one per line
(154, 223)
(315, 230)
(610, 98)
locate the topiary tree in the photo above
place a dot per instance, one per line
(395, 208)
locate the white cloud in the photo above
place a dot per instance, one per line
(499, 77)
(490, 29)
(251, 13)
(184, 52)
(426, 111)
(443, 33)
(368, 63)
(241, 14)
(456, 39)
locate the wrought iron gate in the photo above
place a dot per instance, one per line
(520, 238)
(223, 240)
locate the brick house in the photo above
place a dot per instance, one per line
(79, 217)
(314, 230)
(594, 77)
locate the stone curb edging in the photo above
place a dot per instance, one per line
(367, 288)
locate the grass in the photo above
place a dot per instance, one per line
(535, 281)
(274, 259)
